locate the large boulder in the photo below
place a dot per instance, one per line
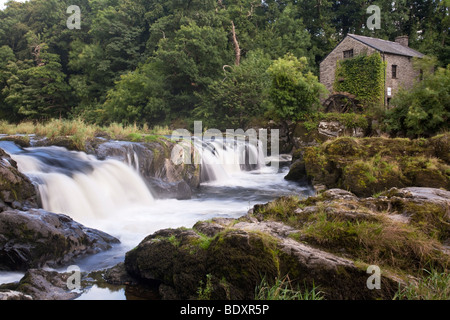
(371, 165)
(327, 242)
(235, 257)
(36, 238)
(38, 284)
(16, 190)
(153, 161)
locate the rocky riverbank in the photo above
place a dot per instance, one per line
(33, 238)
(328, 242)
(367, 166)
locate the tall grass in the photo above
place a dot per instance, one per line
(434, 286)
(79, 129)
(283, 289)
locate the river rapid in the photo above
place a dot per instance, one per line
(111, 196)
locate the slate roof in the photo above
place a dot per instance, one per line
(387, 46)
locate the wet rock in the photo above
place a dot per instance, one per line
(16, 190)
(153, 162)
(36, 238)
(117, 275)
(20, 140)
(46, 285)
(14, 295)
(297, 171)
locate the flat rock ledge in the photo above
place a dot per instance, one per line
(327, 242)
(37, 238)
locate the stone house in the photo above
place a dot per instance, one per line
(398, 56)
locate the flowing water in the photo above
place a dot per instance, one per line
(111, 196)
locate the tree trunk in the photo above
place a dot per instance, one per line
(237, 49)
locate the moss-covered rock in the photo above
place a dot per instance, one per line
(16, 190)
(371, 165)
(403, 229)
(20, 140)
(238, 255)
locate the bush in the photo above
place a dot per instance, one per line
(425, 109)
(295, 92)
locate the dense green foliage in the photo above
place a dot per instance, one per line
(158, 61)
(423, 110)
(294, 93)
(362, 76)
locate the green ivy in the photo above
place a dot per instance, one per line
(363, 76)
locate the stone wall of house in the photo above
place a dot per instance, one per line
(406, 75)
(328, 65)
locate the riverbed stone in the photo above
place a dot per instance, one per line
(42, 284)
(37, 238)
(16, 189)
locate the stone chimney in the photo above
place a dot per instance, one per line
(403, 40)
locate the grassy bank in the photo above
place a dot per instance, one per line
(403, 236)
(78, 131)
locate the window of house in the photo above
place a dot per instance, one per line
(348, 54)
(394, 71)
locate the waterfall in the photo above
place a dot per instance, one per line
(89, 189)
(221, 159)
(81, 186)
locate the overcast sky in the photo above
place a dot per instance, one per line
(2, 3)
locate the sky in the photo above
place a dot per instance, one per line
(3, 2)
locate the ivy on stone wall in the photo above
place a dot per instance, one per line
(363, 76)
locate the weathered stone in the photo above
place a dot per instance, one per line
(46, 285)
(237, 256)
(338, 194)
(16, 190)
(14, 295)
(118, 275)
(153, 162)
(331, 128)
(372, 165)
(37, 238)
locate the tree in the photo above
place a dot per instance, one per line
(423, 110)
(138, 97)
(191, 61)
(7, 58)
(241, 94)
(37, 89)
(295, 92)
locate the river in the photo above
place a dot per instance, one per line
(111, 196)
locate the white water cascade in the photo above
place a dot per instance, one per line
(81, 186)
(111, 196)
(223, 159)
